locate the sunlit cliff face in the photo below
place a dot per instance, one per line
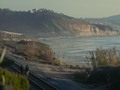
(91, 30)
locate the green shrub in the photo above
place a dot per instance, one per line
(18, 82)
(102, 57)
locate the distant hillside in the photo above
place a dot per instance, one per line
(44, 22)
(113, 21)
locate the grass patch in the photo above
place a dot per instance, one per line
(17, 81)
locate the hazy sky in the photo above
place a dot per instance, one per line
(75, 8)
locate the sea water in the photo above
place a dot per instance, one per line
(73, 50)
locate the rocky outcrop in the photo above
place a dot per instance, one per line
(4, 35)
(34, 51)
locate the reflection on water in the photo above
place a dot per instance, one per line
(73, 50)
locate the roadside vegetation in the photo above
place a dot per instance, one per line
(105, 68)
(13, 81)
(104, 57)
(9, 80)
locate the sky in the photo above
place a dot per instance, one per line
(74, 8)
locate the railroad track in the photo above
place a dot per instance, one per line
(38, 82)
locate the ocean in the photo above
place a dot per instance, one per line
(73, 50)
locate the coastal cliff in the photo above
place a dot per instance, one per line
(44, 23)
(92, 30)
